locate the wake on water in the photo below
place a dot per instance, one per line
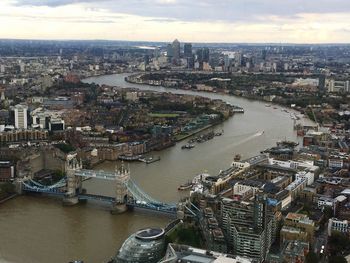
(244, 140)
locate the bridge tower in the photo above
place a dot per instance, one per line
(74, 183)
(121, 190)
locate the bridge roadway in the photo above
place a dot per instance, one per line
(137, 198)
(96, 174)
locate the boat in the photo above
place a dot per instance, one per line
(260, 133)
(267, 105)
(185, 186)
(275, 108)
(237, 157)
(219, 133)
(127, 157)
(187, 146)
(149, 160)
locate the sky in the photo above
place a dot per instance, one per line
(229, 21)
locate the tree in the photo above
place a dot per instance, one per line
(328, 212)
(338, 242)
(312, 257)
(65, 147)
(337, 259)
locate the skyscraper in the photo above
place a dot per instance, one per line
(322, 83)
(238, 59)
(169, 51)
(176, 49)
(20, 115)
(199, 55)
(206, 55)
(249, 227)
(188, 50)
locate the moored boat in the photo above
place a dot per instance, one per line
(237, 157)
(185, 186)
(187, 146)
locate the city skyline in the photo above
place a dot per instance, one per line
(164, 20)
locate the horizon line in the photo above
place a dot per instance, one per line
(155, 41)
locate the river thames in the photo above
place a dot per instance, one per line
(40, 229)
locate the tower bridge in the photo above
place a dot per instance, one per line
(127, 192)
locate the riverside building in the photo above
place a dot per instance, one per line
(250, 227)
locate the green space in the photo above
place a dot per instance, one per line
(185, 235)
(65, 147)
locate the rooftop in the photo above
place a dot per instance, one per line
(182, 253)
(150, 233)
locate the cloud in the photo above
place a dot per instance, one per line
(207, 10)
(163, 20)
(52, 3)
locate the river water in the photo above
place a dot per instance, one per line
(39, 229)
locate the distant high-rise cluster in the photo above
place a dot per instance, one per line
(199, 60)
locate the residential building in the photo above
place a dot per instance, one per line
(250, 227)
(297, 227)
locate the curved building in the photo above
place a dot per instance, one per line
(146, 245)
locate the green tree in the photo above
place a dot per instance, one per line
(338, 243)
(64, 147)
(337, 259)
(312, 257)
(328, 212)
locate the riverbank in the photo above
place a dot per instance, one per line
(138, 81)
(4, 199)
(183, 137)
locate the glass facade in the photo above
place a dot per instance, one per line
(146, 246)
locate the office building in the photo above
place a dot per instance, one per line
(145, 246)
(337, 225)
(206, 55)
(21, 116)
(56, 125)
(180, 253)
(176, 49)
(322, 83)
(238, 59)
(188, 50)
(169, 51)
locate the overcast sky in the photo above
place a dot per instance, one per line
(279, 21)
